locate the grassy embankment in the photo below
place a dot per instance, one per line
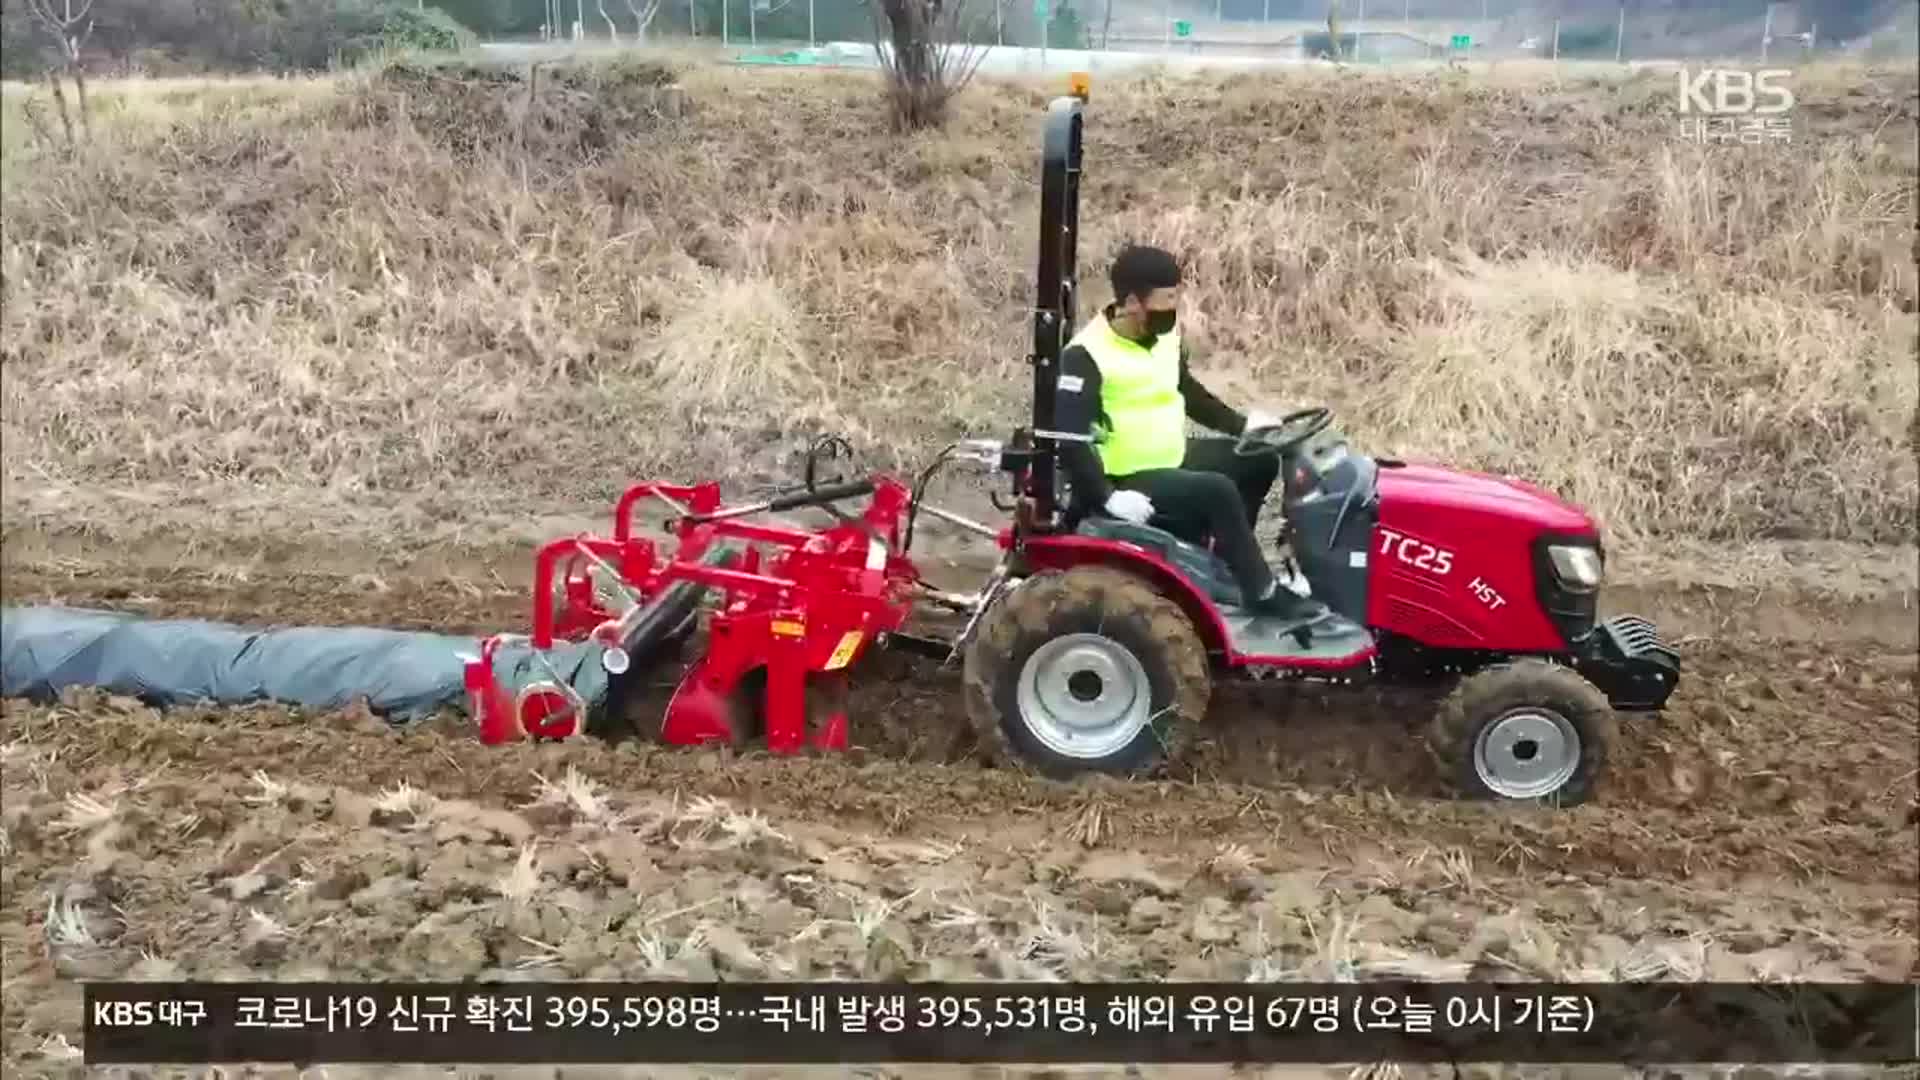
(437, 289)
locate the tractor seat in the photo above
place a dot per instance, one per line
(1202, 567)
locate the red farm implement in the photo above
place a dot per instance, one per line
(1094, 643)
(796, 609)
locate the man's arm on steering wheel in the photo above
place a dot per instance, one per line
(1202, 406)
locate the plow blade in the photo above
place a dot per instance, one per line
(402, 676)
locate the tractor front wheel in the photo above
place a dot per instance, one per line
(1090, 670)
(1525, 731)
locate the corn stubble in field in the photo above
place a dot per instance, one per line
(445, 276)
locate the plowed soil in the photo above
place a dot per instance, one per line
(1765, 826)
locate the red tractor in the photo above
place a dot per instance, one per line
(1094, 646)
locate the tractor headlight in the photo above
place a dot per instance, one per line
(1577, 567)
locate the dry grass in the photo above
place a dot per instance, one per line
(392, 285)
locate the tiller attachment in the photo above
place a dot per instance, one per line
(548, 708)
(791, 619)
(597, 605)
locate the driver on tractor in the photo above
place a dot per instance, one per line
(1125, 382)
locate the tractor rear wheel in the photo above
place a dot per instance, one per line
(1090, 670)
(1526, 731)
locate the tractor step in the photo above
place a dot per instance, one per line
(1328, 641)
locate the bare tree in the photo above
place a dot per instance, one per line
(1333, 28)
(613, 32)
(643, 13)
(69, 29)
(925, 60)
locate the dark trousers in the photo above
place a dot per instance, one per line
(1217, 495)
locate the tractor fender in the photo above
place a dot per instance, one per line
(1067, 552)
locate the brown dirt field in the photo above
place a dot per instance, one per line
(1765, 826)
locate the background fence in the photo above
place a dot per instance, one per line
(188, 37)
(1369, 31)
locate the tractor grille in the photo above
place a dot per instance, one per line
(1636, 638)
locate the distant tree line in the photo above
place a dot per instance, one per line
(225, 35)
(770, 20)
(181, 36)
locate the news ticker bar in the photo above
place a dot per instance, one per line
(1029, 1023)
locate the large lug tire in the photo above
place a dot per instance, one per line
(1525, 731)
(1090, 670)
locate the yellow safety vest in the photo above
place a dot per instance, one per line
(1140, 394)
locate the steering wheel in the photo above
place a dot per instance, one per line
(1292, 430)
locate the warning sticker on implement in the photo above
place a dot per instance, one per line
(789, 628)
(843, 652)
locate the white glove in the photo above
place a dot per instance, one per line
(1130, 506)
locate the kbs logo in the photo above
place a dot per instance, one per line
(124, 1013)
(1735, 92)
(1416, 553)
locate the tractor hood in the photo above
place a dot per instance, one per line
(1497, 495)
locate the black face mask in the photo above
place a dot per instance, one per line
(1160, 323)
